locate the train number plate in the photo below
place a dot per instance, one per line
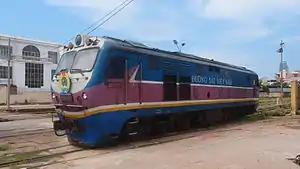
(66, 98)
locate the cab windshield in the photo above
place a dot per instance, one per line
(77, 61)
(65, 62)
(84, 60)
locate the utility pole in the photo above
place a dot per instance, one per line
(8, 78)
(280, 50)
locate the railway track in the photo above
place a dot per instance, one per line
(71, 150)
(62, 150)
(23, 133)
(37, 157)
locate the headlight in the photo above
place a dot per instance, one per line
(84, 96)
(78, 40)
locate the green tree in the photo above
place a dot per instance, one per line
(263, 86)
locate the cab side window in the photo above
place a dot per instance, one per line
(116, 68)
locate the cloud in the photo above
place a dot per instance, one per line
(290, 39)
(247, 19)
(158, 21)
(241, 10)
(141, 20)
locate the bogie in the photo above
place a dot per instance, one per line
(158, 125)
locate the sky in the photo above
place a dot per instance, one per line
(241, 32)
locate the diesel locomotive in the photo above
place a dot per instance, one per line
(106, 88)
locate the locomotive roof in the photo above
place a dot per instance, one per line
(138, 45)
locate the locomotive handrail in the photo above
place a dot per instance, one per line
(73, 105)
(126, 81)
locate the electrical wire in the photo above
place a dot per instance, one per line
(124, 2)
(110, 17)
(93, 24)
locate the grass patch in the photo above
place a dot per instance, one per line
(4, 147)
(14, 167)
(23, 156)
(268, 107)
(52, 113)
(26, 159)
(253, 117)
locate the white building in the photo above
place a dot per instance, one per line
(32, 64)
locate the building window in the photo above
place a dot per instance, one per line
(4, 51)
(53, 56)
(31, 53)
(4, 72)
(34, 75)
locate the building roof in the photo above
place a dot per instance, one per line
(283, 66)
(23, 39)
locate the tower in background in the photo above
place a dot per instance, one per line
(283, 69)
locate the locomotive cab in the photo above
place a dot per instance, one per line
(71, 77)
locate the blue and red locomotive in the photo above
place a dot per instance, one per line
(105, 88)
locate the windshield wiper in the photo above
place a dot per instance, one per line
(78, 70)
(60, 72)
(63, 69)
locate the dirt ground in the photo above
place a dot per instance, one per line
(261, 144)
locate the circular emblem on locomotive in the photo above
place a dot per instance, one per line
(64, 82)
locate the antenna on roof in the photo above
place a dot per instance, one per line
(176, 43)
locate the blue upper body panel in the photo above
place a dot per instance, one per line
(155, 66)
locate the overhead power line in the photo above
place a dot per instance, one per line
(106, 15)
(110, 12)
(100, 19)
(111, 16)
